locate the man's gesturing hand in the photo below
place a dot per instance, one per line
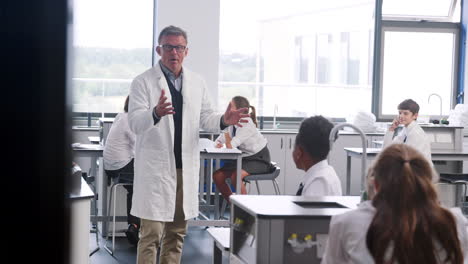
(163, 108)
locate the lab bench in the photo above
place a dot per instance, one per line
(291, 229)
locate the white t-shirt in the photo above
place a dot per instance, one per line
(321, 180)
(120, 144)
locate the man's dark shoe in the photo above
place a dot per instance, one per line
(132, 234)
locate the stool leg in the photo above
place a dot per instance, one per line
(107, 218)
(276, 186)
(113, 222)
(258, 188)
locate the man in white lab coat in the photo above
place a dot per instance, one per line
(168, 105)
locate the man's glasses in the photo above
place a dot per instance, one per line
(169, 48)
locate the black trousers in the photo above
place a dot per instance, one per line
(126, 177)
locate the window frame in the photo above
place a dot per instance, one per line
(410, 26)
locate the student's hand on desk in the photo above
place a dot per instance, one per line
(219, 145)
(395, 124)
(163, 108)
(234, 117)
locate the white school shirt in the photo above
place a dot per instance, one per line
(415, 137)
(321, 180)
(247, 139)
(347, 236)
(120, 144)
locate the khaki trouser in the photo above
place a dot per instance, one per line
(172, 234)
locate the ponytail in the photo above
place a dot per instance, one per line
(253, 115)
(242, 102)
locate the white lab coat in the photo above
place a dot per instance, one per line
(155, 180)
(321, 180)
(347, 236)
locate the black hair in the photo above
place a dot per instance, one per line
(313, 136)
(126, 104)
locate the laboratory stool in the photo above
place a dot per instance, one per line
(116, 182)
(270, 176)
(453, 190)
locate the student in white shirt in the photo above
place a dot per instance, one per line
(310, 154)
(411, 134)
(119, 153)
(404, 222)
(255, 157)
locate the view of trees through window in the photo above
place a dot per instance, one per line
(103, 77)
(110, 47)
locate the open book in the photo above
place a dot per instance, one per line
(209, 146)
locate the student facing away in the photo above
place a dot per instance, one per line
(404, 222)
(119, 153)
(310, 154)
(256, 156)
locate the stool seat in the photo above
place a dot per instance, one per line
(264, 176)
(271, 176)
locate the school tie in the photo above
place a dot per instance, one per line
(404, 140)
(299, 191)
(233, 131)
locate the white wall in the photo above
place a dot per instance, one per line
(200, 19)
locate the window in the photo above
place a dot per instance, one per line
(421, 9)
(417, 59)
(416, 65)
(300, 57)
(111, 46)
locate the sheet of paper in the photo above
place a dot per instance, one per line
(204, 143)
(222, 150)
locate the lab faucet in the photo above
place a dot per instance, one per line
(440, 100)
(332, 138)
(275, 112)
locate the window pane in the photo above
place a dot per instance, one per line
(111, 46)
(418, 8)
(300, 55)
(417, 64)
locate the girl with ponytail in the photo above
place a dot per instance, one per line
(255, 153)
(404, 222)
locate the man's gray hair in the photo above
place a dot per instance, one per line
(172, 30)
